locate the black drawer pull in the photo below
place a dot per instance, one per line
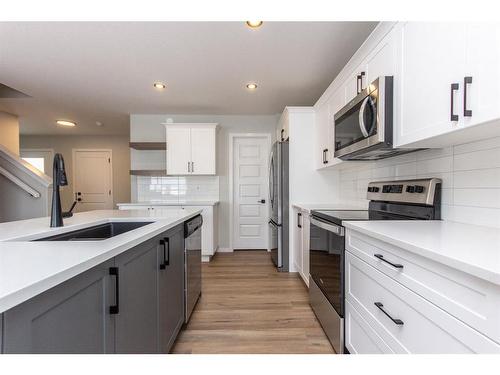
(467, 81)
(454, 87)
(298, 220)
(115, 309)
(166, 253)
(380, 306)
(381, 257)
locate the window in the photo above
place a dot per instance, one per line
(38, 163)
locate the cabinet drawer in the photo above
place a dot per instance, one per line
(360, 338)
(471, 300)
(423, 327)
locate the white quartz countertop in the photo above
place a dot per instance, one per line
(308, 207)
(176, 203)
(469, 248)
(30, 268)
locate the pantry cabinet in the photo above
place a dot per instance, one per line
(191, 149)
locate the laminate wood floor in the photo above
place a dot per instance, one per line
(248, 307)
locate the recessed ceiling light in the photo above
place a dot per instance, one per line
(159, 85)
(254, 24)
(251, 86)
(66, 123)
(98, 123)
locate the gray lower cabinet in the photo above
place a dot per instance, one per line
(70, 318)
(136, 322)
(171, 287)
(133, 303)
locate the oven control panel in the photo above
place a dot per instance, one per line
(421, 191)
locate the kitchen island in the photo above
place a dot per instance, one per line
(123, 294)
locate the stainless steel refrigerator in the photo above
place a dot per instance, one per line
(278, 203)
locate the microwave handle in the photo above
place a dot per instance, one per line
(362, 126)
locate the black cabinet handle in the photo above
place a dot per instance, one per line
(325, 157)
(298, 220)
(467, 81)
(381, 257)
(380, 306)
(282, 131)
(454, 87)
(359, 82)
(166, 253)
(115, 309)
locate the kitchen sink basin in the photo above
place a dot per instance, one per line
(97, 232)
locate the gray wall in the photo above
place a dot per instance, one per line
(66, 143)
(149, 128)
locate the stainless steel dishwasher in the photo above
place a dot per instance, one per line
(192, 264)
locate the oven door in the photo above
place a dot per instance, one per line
(326, 257)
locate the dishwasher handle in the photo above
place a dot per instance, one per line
(192, 225)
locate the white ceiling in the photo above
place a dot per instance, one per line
(103, 71)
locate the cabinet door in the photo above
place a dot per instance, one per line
(178, 150)
(203, 151)
(382, 60)
(321, 122)
(483, 66)
(352, 84)
(171, 287)
(137, 319)
(432, 58)
(72, 317)
(297, 239)
(305, 247)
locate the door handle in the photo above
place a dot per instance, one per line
(115, 309)
(166, 253)
(454, 87)
(467, 81)
(262, 201)
(380, 306)
(381, 257)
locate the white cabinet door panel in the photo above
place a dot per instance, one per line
(432, 58)
(178, 150)
(203, 151)
(483, 65)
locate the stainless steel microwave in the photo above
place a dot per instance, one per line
(363, 127)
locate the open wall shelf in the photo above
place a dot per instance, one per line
(148, 145)
(148, 172)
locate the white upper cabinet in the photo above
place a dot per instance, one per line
(322, 148)
(483, 68)
(382, 60)
(203, 150)
(432, 70)
(191, 149)
(178, 150)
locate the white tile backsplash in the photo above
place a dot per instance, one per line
(470, 174)
(177, 188)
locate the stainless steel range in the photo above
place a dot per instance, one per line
(389, 200)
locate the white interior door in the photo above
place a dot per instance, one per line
(93, 181)
(250, 196)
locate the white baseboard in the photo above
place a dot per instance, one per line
(224, 250)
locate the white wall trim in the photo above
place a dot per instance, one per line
(225, 250)
(73, 153)
(232, 137)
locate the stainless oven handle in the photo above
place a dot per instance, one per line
(362, 126)
(337, 229)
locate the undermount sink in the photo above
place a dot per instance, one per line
(97, 232)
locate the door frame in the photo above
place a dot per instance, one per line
(73, 159)
(231, 138)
